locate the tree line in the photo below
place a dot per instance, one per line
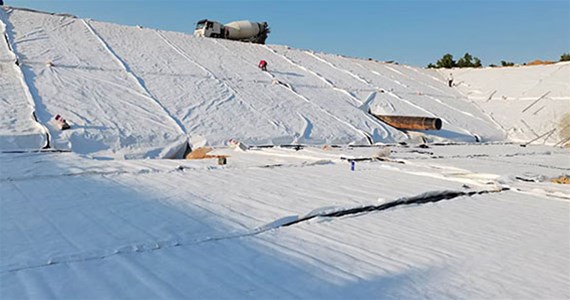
(469, 61)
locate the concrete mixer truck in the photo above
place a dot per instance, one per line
(245, 31)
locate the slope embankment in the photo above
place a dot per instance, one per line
(19, 128)
(132, 92)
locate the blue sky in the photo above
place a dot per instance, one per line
(407, 31)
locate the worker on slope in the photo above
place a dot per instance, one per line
(450, 80)
(61, 122)
(262, 65)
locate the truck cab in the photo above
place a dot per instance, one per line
(207, 28)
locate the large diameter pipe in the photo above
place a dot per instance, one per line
(411, 123)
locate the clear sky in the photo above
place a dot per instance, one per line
(408, 31)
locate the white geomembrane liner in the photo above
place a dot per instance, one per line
(441, 221)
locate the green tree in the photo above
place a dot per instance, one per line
(465, 61)
(507, 63)
(446, 62)
(565, 57)
(477, 63)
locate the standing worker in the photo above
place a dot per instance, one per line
(262, 65)
(450, 80)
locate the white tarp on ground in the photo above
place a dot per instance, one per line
(528, 102)
(74, 227)
(18, 129)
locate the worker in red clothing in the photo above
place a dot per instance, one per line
(262, 65)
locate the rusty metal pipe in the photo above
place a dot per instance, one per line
(411, 123)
